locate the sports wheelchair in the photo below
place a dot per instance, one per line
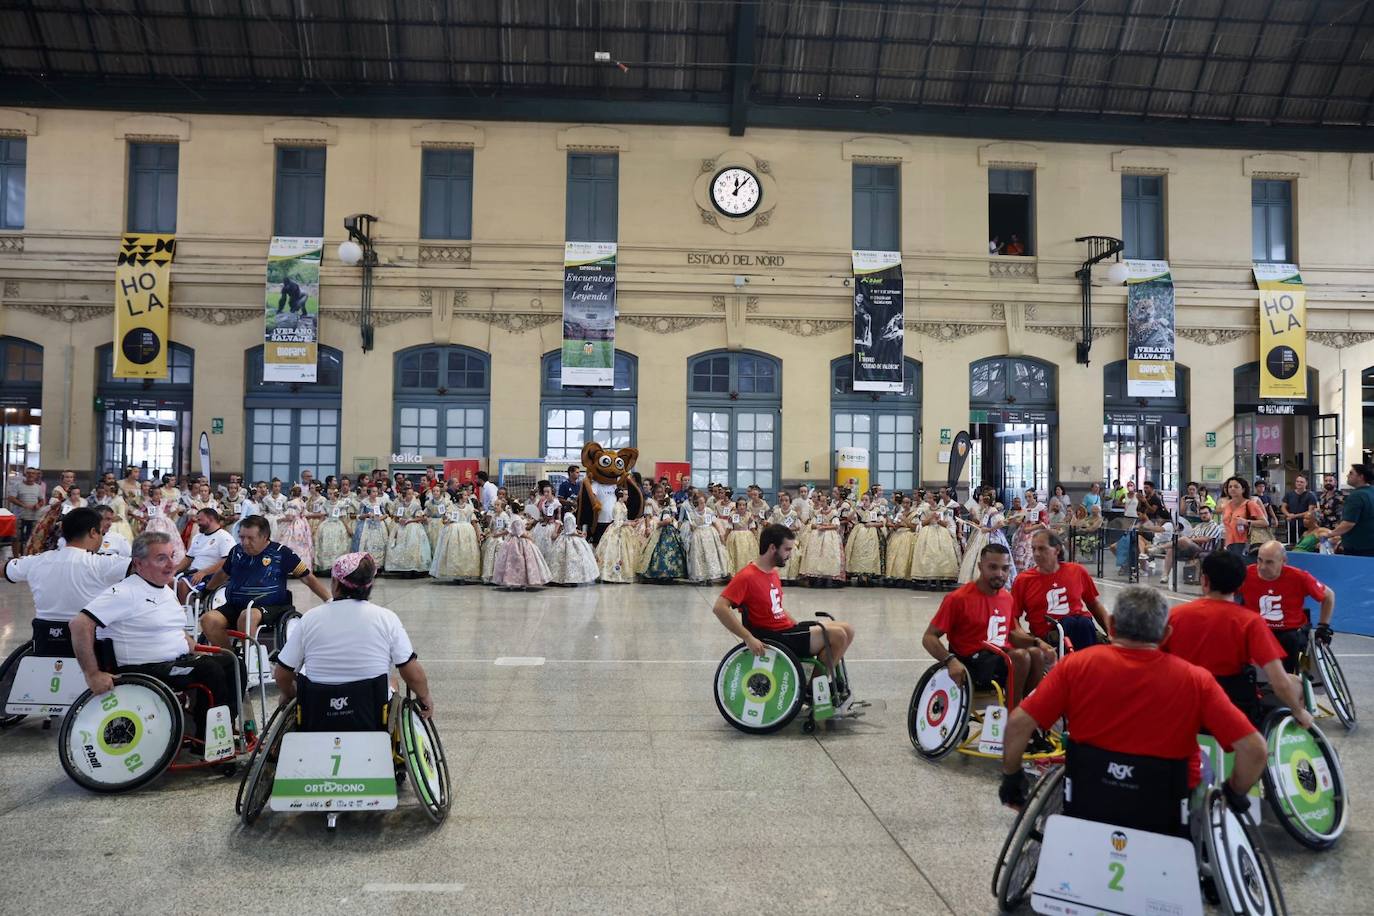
(127, 737)
(345, 747)
(761, 694)
(41, 677)
(270, 634)
(1317, 664)
(1159, 832)
(942, 715)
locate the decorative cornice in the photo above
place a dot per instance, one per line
(217, 316)
(999, 311)
(515, 322)
(665, 324)
(1071, 332)
(805, 327)
(1011, 267)
(948, 330)
(380, 317)
(1339, 340)
(1213, 337)
(11, 244)
(751, 304)
(11, 288)
(72, 314)
(460, 255)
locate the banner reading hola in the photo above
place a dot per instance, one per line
(1283, 331)
(142, 297)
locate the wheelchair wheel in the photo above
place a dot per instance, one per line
(256, 787)
(425, 760)
(937, 718)
(122, 739)
(1011, 881)
(8, 669)
(759, 695)
(1303, 782)
(1333, 682)
(283, 628)
(1230, 852)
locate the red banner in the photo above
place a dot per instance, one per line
(676, 471)
(463, 470)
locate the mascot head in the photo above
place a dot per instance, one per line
(606, 465)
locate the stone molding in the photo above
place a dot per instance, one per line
(876, 149)
(446, 255)
(153, 127)
(589, 136)
(667, 324)
(448, 135)
(1003, 267)
(16, 123)
(1144, 161)
(300, 131)
(1273, 165)
(11, 244)
(1214, 337)
(380, 317)
(1019, 155)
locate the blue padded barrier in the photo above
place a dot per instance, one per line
(1352, 579)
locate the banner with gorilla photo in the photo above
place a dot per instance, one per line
(1149, 330)
(879, 313)
(291, 340)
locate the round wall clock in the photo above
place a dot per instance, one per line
(735, 191)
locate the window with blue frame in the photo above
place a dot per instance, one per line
(887, 424)
(1142, 216)
(734, 419)
(877, 207)
(292, 426)
(574, 416)
(593, 197)
(13, 168)
(1271, 220)
(153, 187)
(442, 401)
(446, 194)
(299, 204)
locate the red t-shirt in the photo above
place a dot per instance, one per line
(1280, 602)
(969, 618)
(1040, 596)
(1137, 701)
(1221, 636)
(758, 595)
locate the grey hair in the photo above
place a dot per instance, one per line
(1141, 614)
(143, 544)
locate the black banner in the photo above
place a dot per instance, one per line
(958, 457)
(879, 312)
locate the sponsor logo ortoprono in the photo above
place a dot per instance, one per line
(1120, 770)
(1118, 841)
(335, 788)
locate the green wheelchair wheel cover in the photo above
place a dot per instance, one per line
(424, 755)
(1304, 782)
(759, 693)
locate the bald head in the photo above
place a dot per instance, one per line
(1270, 561)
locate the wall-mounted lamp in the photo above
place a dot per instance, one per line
(358, 250)
(1100, 247)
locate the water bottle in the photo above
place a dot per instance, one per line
(1325, 546)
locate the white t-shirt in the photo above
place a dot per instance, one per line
(115, 544)
(344, 641)
(63, 581)
(145, 622)
(489, 493)
(209, 549)
(605, 494)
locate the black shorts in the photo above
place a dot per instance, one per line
(985, 667)
(271, 613)
(1081, 631)
(797, 639)
(1294, 643)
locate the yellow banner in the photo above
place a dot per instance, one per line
(1283, 331)
(142, 296)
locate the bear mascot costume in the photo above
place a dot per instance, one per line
(607, 470)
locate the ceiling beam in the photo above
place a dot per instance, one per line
(743, 50)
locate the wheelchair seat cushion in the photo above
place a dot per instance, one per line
(355, 706)
(1127, 790)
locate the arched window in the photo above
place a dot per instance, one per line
(292, 426)
(21, 404)
(442, 401)
(885, 423)
(576, 415)
(147, 422)
(734, 419)
(1013, 404)
(1272, 433)
(1143, 438)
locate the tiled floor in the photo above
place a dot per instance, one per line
(601, 781)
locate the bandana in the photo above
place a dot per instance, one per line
(345, 565)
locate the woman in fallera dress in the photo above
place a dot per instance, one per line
(742, 543)
(408, 550)
(617, 554)
(824, 560)
(902, 529)
(547, 511)
(457, 553)
(498, 526)
(667, 557)
(295, 528)
(273, 507)
(785, 514)
(369, 532)
(519, 563)
(437, 506)
(863, 551)
(574, 562)
(1034, 517)
(988, 528)
(159, 514)
(331, 539)
(706, 560)
(936, 557)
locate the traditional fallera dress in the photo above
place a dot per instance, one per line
(457, 555)
(121, 516)
(706, 560)
(667, 558)
(295, 531)
(936, 555)
(408, 548)
(497, 530)
(1021, 556)
(519, 562)
(647, 533)
(574, 562)
(547, 514)
(741, 544)
(159, 518)
(824, 554)
(331, 541)
(901, 544)
(617, 554)
(863, 550)
(369, 533)
(788, 519)
(436, 512)
(989, 531)
(273, 507)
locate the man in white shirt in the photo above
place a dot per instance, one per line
(64, 580)
(142, 618)
(488, 494)
(112, 543)
(209, 547)
(350, 639)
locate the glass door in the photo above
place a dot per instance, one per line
(153, 440)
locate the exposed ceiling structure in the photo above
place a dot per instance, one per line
(1251, 73)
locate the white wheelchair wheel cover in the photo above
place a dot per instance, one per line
(939, 710)
(1305, 782)
(114, 737)
(422, 759)
(1333, 682)
(758, 693)
(1240, 874)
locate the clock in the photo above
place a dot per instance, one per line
(735, 191)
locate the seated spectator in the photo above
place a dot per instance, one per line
(1202, 538)
(1313, 533)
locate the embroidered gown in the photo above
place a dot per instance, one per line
(667, 558)
(574, 563)
(617, 554)
(519, 562)
(741, 544)
(457, 554)
(273, 507)
(295, 531)
(863, 550)
(936, 555)
(369, 533)
(408, 549)
(901, 544)
(331, 541)
(788, 519)
(706, 560)
(497, 530)
(824, 553)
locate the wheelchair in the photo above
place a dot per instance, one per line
(41, 677)
(1317, 664)
(1067, 863)
(306, 762)
(269, 636)
(1303, 782)
(125, 738)
(761, 694)
(944, 716)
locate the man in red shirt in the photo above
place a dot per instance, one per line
(1056, 592)
(1129, 698)
(757, 591)
(1215, 633)
(980, 612)
(1278, 592)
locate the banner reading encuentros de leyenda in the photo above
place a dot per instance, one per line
(1149, 330)
(291, 339)
(143, 295)
(879, 312)
(1283, 331)
(589, 314)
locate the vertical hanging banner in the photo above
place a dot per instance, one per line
(879, 311)
(1149, 330)
(291, 340)
(589, 314)
(143, 285)
(1283, 331)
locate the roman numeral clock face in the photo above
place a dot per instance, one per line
(736, 192)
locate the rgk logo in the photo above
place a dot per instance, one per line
(338, 703)
(1120, 770)
(55, 633)
(1271, 607)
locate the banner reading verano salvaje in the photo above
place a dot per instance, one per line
(292, 327)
